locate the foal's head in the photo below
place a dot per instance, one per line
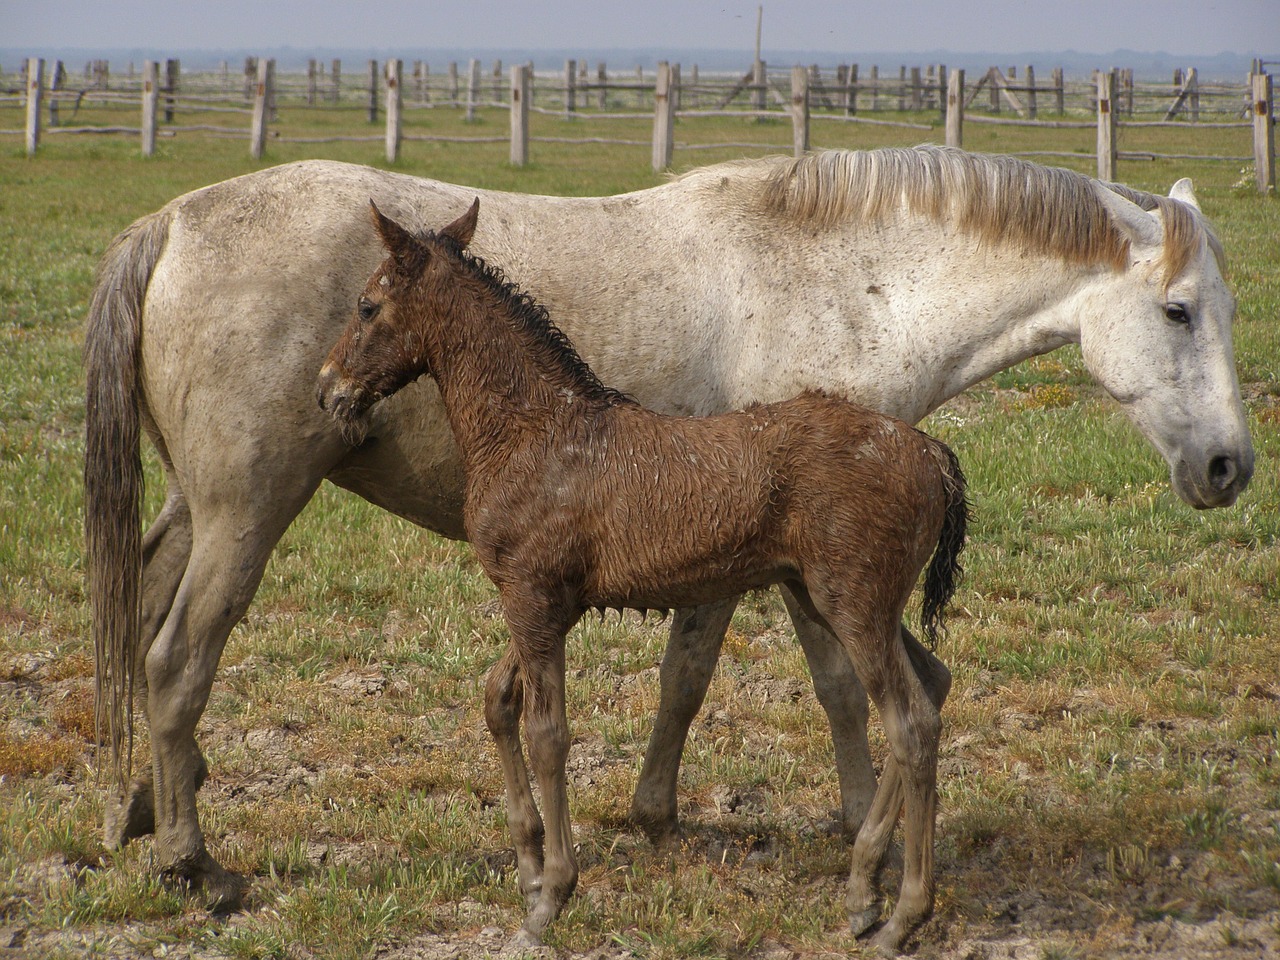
(384, 346)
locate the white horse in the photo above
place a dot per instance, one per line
(896, 278)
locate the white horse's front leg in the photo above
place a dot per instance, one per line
(687, 667)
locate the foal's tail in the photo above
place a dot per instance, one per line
(943, 575)
(113, 477)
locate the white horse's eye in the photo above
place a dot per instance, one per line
(1177, 313)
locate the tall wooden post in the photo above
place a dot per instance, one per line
(1059, 91)
(1031, 92)
(759, 73)
(453, 82)
(1106, 125)
(875, 87)
(312, 80)
(497, 81)
(955, 109)
(394, 100)
(602, 86)
(799, 111)
(35, 97)
(150, 95)
(852, 101)
(335, 79)
(663, 118)
(519, 115)
(1264, 132)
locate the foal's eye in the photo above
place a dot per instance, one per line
(366, 309)
(1177, 313)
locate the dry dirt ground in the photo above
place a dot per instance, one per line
(1023, 926)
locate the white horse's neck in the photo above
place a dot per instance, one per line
(909, 320)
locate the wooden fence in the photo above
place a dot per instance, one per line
(803, 95)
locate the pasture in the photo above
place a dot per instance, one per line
(1110, 762)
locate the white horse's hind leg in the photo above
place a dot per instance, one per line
(166, 550)
(690, 659)
(229, 554)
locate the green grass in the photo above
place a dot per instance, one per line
(1110, 739)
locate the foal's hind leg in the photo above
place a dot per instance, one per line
(912, 725)
(692, 651)
(845, 703)
(503, 703)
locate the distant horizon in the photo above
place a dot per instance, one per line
(1228, 65)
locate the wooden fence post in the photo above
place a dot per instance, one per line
(799, 111)
(1059, 91)
(519, 115)
(917, 97)
(261, 108)
(1106, 125)
(602, 84)
(250, 77)
(663, 118)
(1193, 86)
(394, 99)
(875, 87)
(35, 96)
(955, 109)
(453, 82)
(570, 87)
(473, 89)
(150, 96)
(56, 79)
(1264, 132)
(335, 79)
(1031, 92)
(373, 91)
(852, 95)
(497, 81)
(312, 80)
(172, 70)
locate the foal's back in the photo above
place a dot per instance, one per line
(630, 508)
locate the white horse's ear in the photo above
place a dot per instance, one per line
(1142, 228)
(1184, 191)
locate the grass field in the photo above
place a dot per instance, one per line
(1110, 777)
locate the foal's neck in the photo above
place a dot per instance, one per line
(502, 368)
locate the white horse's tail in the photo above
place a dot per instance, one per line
(113, 477)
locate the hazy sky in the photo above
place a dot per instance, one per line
(1193, 27)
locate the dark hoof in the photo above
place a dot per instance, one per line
(130, 816)
(223, 890)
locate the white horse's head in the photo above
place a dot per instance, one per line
(1157, 336)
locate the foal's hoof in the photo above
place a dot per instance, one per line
(223, 890)
(130, 815)
(663, 832)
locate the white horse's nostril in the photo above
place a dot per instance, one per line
(1222, 472)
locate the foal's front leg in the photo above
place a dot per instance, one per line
(503, 703)
(548, 729)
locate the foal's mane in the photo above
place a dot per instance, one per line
(999, 199)
(532, 323)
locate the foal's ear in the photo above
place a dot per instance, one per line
(462, 228)
(394, 237)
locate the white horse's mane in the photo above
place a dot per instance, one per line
(999, 199)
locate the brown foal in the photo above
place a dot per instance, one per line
(578, 498)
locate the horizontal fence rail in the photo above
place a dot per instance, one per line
(246, 102)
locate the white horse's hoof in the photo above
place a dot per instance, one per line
(863, 920)
(523, 940)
